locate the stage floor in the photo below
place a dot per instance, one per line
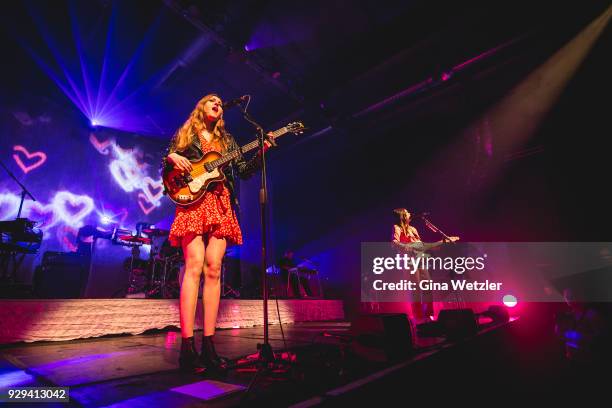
(142, 370)
(133, 370)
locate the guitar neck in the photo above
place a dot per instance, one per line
(234, 154)
(421, 246)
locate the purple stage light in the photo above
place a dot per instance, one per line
(109, 90)
(105, 219)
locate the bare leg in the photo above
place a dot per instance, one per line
(194, 251)
(215, 249)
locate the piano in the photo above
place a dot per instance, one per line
(20, 236)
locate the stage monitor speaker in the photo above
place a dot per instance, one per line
(498, 313)
(382, 337)
(458, 323)
(61, 275)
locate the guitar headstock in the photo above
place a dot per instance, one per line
(295, 128)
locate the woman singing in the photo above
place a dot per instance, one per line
(205, 228)
(406, 236)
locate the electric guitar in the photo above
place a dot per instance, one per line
(422, 248)
(186, 188)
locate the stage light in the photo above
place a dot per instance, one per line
(105, 89)
(446, 76)
(247, 48)
(105, 219)
(510, 300)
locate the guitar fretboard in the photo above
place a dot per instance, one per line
(238, 152)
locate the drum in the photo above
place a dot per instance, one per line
(165, 277)
(166, 250)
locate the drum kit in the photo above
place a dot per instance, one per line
(157, 276)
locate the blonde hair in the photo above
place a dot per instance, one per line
(402, 219)
(195, 124)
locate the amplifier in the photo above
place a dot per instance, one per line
(61, 275)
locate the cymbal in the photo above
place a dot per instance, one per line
(156, 232)
(132, 238)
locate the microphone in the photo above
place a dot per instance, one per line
(235, 102)
(420, 215)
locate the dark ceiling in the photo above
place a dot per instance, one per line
(319, 61)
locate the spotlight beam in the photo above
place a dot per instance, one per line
(146, 85)
(513, 121)
(134, 58)
(520, 114)
(107, 50)
(48, 39)
(49, 71)
(79, 48)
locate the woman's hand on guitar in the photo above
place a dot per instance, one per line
(267, 145)
(180, 162)
(451, 239)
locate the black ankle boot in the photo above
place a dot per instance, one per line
(209, 355)
(189, 360)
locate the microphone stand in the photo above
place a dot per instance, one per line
(24, 191)
(265, 355)
(434, 228)
(12, 255)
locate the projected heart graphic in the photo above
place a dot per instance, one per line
(9, 205)
(44, 215)
(24, 118)
(153, 189)
(121, 216)
(101, 147)
(66, 235)
(39, 157)
(116, 218)
(125, 175)
(72, 208)
(145, 205)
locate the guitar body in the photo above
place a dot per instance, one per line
(186, 189)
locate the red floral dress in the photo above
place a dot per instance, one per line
(212, 215)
